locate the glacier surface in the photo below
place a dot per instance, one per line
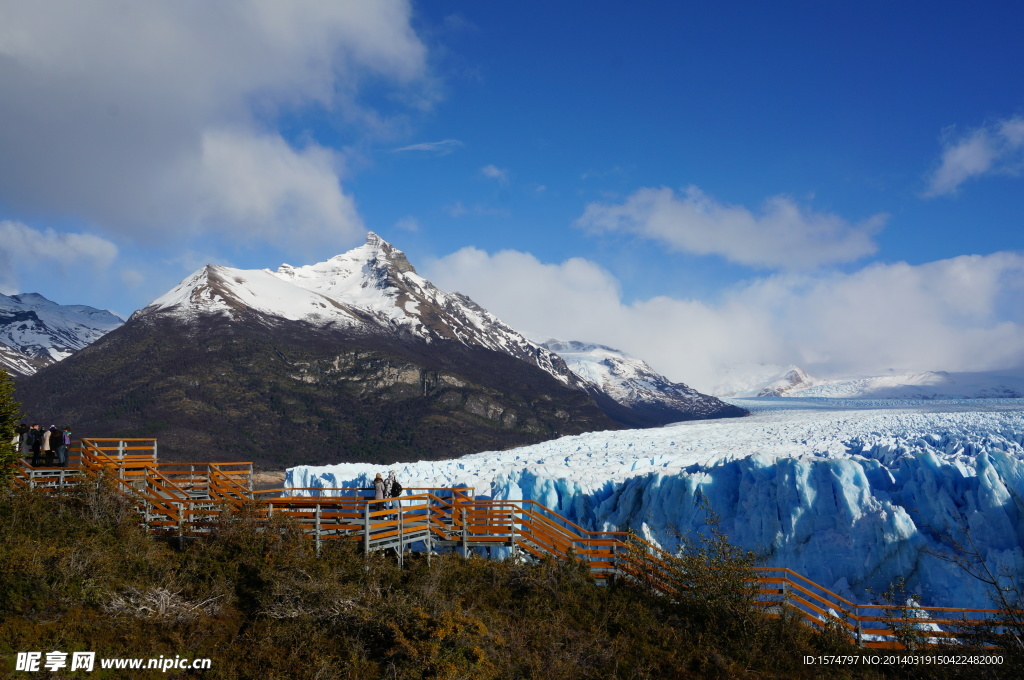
(853, 494)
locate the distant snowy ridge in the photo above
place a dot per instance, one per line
(1006, 384)
(844, 492)
(36, 332)
(929, 385)
(630, 381)
(793, 381)
(765, 380)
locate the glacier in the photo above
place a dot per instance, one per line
(853, 494)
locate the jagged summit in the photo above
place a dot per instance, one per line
(371, 289)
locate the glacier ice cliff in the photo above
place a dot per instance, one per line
(851, 494)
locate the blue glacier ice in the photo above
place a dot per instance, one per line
(852, 494)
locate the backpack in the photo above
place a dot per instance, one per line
(396, 488)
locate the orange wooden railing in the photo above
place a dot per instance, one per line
(185, 499)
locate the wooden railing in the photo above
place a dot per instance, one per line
(185, 499)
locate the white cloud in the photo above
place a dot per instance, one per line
(997, 148)
(110, 109)
(784, 235)
(956, 314)
(408, 223)
(25, 249)
(441, 148)
(495, 173)
(255, 187)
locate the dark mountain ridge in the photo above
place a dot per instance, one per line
(280, 393)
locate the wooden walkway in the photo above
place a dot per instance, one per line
(184, 499)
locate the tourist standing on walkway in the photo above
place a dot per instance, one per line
(35, 443)
(47, 446)
(394, 490)
(63, 446)
(23, 440)
(378, 488)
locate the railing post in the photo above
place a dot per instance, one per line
(860, 627)
(401, 540)
(512, 530)
(465, 534)
(428, 542)
(366, 528)
(120, 449)
(785, 594)
(154, 451)
(181, 525)
(318, 530)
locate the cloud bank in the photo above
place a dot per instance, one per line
(783, 236)
(956, 314)
(997, 148)
(149, 119)
(25, 247)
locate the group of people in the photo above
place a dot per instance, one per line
(43, 444)
(387, 487)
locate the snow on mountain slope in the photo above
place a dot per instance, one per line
(16, 363)
(929, 385)
(223, 290)
(628, 380)
(794, 380)
(45, 332)
(849, 493)
(371, 289)
(377, 278)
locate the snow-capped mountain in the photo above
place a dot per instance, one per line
(744, 379)
(791, 382)
(371, 289)
(1008, 384)
(36, 332)
(633, 383)
(354, 358)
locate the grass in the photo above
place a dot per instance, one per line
(78, 574)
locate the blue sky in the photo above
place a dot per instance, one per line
(712, 186)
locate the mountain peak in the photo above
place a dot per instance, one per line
(36, 332)
(792, 380)
(32, 299)
(378, 249)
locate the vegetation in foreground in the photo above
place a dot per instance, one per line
(78, 574)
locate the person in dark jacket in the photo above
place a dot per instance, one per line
(23, 440)
(35, 443)
(393, 490)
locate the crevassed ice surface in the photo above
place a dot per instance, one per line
(852, 494)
